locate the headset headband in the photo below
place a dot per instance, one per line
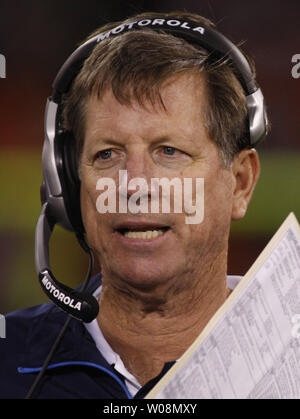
(60, 189)
(202, 36)
(205, 37)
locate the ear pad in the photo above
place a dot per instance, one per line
(67, 167)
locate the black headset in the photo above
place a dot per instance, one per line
(60, 190)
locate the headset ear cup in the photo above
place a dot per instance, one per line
(66, 157)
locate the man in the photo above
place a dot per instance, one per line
(152, 105)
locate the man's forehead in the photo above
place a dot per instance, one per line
(181, 123)
(181, 93)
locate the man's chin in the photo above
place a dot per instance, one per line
(142, 276)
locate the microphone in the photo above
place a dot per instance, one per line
(78, 304)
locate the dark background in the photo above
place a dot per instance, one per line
(37, 36)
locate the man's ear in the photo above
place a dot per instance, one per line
(245, 169)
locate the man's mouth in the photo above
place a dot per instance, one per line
(143, 234)
(140, 230)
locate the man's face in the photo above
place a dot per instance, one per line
(155, 143)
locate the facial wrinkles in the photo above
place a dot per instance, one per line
(135, 132)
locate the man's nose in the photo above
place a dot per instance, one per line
(139, 165)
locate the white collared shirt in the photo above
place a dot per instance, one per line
(112, 357)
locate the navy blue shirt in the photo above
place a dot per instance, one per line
(77, 369)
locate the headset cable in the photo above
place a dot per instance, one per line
(66, 324)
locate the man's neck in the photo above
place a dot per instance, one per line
(149, 329)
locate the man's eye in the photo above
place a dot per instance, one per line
(105, 154)
(170, 151)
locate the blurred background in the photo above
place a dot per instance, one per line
(37, 36)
